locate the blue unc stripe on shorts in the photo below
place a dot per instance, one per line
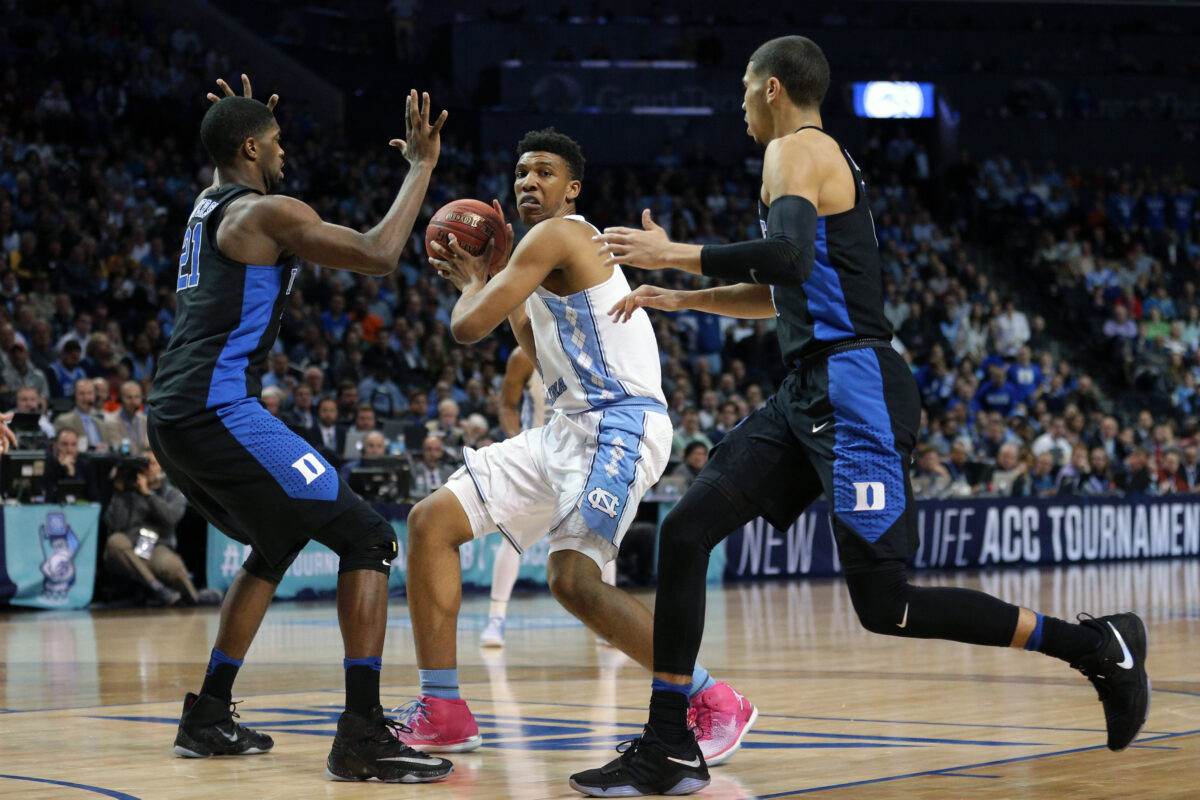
(868, 475)
(613, 470)
(300, 471)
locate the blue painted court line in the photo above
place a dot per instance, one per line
(1152, 747)
(905, 776)
(113, 793)
(961, 775)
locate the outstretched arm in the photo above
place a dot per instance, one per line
(743, 301)
(298, 229)
(783, 258)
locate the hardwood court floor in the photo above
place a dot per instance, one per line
(89, 701)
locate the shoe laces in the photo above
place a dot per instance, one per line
(629, 748)
(411, 713)
(700, 723)
(392, 729)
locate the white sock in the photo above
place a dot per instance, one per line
(504, 575)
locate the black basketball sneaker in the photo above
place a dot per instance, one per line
(645, 766)
(206, 728)
(367, 747)
(1118, 671)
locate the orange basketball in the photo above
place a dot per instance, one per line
(473, 223)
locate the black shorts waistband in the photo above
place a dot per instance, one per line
(839, 347)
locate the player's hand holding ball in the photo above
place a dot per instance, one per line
(468, 241)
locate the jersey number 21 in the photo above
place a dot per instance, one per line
(189, 259)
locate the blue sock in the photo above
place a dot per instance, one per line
(218, 678)
(1035, 638)
(659, 685)
(362, 684)
(701, 680)
(441, 683)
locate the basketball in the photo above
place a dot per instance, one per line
(473, 223)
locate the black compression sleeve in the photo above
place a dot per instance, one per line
(783, 258)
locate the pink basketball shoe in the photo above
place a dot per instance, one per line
(438, 725)
(721, 718)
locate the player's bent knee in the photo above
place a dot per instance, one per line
(880, 599)
(362, 539)
(439, 518)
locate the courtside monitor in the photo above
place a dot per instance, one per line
(893, 99)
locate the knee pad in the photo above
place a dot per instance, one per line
(362, 539)
(880, 597)
(260, 568)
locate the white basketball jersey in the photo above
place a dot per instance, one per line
(587, 361)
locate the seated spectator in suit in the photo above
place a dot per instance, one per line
(147, 501)
(1040, 481)
(30, 402)
(302, 415)
(329, 432)
(374, 446)
(431, 470)
(1009, 468)
(446, 426)
(965, 474)
(417, 412)
(84, 419)
(67, 463)
(127, 425)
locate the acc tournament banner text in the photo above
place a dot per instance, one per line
(970, 534)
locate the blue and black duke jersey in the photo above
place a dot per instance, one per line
(227, 318)
(843, 296)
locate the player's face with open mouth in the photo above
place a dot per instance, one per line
(542, 185)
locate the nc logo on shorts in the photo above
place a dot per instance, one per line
(604, 502)
(869, 496)
(308, 466)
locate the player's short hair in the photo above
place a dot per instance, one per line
(229, 123)
(548, 140)
(799, 66)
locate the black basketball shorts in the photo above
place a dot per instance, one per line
(844, 426)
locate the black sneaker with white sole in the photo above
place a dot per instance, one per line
(645, 766)
(1118, 671)
(206, 728)
(367, 747)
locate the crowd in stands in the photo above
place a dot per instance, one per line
(366, 368)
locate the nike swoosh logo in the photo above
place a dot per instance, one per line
(428, 762)
(233, 736)
(904, 620)
(695, 762)
(819, 428)
(387, 564)
(754, 275)
(1127, 662)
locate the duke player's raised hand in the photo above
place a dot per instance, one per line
(422, 143)
(646, 296)
(247, 92)
(649, 248)
(8, 439)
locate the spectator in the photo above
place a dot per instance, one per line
(1100, 482)
(272, 401)
(364, 423)
(1012, 330)
(727, 420)
(1171, 478)
(302, 415)
(1106, 438)
(1190, 466)
(431, 470)
(330, 433)
(66, 371)
(688, 432)
(379, 390)
(279, 374)
(930, 478)
(125, 429)
(67, 463)
(30, 402)
(1074, 474)
(1027, 377)
(998, 393)
(1040, 481)
(964, 473)
(20, 372)
(83, 419)
(141, 517)
(374, 446)
(1003, 482)
(1139, 477)
(1055, 442)
(695, 456)
(446, 428)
